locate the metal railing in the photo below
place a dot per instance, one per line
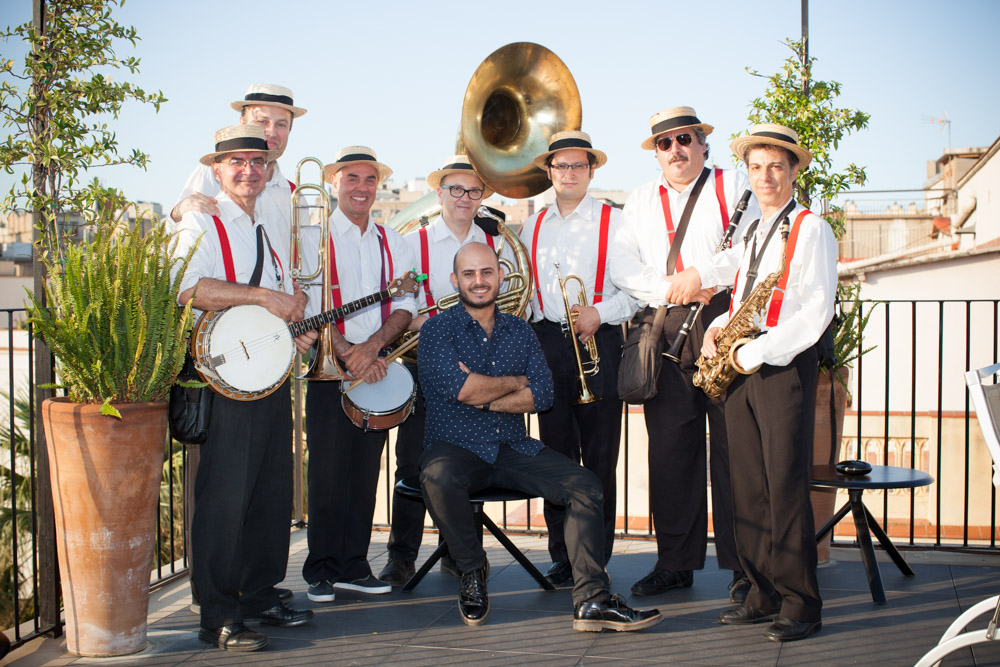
(914, 411)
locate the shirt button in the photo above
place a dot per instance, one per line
(484, 340)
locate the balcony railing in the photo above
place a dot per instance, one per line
(909, 408)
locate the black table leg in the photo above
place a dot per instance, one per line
(828, 526)
(865, 543)
(517, 554)
(412, 582)
(887, 544)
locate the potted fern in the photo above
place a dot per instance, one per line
(118, 336)
(832, 396)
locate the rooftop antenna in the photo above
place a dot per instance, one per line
(943, 120)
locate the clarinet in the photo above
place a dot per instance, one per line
(674, 353)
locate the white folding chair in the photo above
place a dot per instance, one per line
(986, 400)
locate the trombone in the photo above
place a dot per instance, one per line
(569, 327)
(324, 364)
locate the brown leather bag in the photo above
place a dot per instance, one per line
(642, 356)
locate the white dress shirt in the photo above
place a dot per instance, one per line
(359, 271)
(807, 307)
(278, 190)
(442, 245)
(241, 231)
(574, 242)
(641, 247)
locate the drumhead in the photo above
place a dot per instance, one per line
(387, 395)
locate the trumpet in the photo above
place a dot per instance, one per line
(569, 327)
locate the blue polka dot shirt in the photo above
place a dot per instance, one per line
(513, 349)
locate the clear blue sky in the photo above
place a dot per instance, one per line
(392, 75)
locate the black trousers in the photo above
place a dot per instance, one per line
(591, 433)
(675, 425)
(407, 528)
(773, 411)
(450, 473)
(243, 508)
(343, 475)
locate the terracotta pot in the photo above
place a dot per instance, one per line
(105, 484)
(824, 500)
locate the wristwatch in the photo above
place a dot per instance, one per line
(486, 407)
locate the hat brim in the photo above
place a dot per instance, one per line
(330, 170)
(208, 159)
(600, 156)
(740, 145)
(239, 104)
(650, 142)
(435, 177)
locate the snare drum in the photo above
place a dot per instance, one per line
(383, 405)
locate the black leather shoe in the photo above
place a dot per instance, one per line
(787, 630)
(738, 588)
(282, 616)
(397, 571)
(744, 615)
(235, 637)
(613, 614)
(560, 574)
(473, 600)
(660, 581)
(284, 593)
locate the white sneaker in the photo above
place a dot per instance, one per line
(321, 592)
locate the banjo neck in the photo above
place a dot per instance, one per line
(326, 317)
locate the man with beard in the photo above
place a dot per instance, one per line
(674, 222)
(243, 491)
(481, 370)
(460, 192)
(574, 235)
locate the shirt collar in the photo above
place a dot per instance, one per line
(765, 225)
(584, 210)
(466, 319)
(343, 225)
(278, 179)
(687, 188)
(230, 210)
(439, 231)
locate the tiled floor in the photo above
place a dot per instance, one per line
(531, 626)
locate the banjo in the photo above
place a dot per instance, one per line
(246, 352)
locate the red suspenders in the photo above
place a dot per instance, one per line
(602, 254)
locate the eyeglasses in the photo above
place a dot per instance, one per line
(239, 163)
(576, 166)
(664, 143)
(475, 194)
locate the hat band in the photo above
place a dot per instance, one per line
(675, 122)
(775, 135)
(264, 97)
(241, 144)
(458, 165)
(356, 157)
(570, 142)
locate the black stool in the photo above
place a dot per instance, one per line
(410, 488)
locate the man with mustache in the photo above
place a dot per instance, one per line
(575, 233)
(481, 370)
(460, 193)
(243, 491)
(670, 226)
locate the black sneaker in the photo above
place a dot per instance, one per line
(321, 592)
(397, 571)
(613, 614)
(368, 584)
(473, 599)
(282, 616)
(660, 581)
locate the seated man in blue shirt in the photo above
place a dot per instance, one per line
(481, 370)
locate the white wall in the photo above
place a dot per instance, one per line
(984, 187)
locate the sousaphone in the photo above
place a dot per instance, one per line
(519, 96)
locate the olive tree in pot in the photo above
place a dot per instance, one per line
(118, 336)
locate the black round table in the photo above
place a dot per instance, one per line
(881, 477)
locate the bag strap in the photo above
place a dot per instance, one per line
(677, 237)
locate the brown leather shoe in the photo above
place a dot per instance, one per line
(397, 571)
(787, 630)
(744, 615)
(235, 637)
(613, 614)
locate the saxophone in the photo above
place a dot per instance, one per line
(715, 375)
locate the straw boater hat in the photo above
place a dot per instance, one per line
(772, 134)
(456, 164)
(356, 155)
(268, 95)
(239, 138)
(672, 119)
(571, 139)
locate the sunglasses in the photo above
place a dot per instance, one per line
(664, 143)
